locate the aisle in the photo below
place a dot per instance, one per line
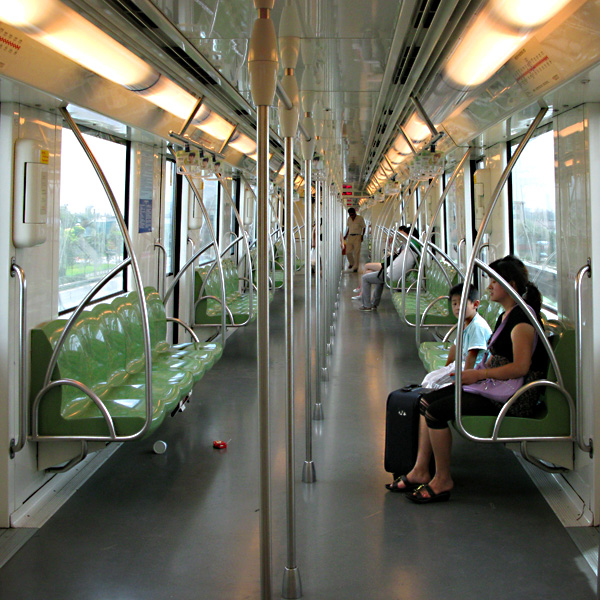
(184, 525)
(495, 539)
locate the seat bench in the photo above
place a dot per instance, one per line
(208, 307)
(552, 416)
(104, 351)
(436, 280)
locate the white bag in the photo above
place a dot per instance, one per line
(439, 378)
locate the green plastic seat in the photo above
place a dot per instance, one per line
(552, 417)
(105, 351)
(208, 310)
(436, 280)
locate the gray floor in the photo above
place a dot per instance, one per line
(184, 525)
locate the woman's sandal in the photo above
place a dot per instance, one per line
(418, 498)
(408, 485)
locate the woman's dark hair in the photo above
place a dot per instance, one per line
(515, 272)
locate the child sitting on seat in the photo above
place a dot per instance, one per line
(476, 334)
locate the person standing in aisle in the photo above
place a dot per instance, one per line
(355, 231)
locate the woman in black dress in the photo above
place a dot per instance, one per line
(514, 353)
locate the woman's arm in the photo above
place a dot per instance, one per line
(522, 337)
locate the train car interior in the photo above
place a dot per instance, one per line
(200, 198)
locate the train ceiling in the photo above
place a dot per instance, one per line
(371, 55)
(374, 58)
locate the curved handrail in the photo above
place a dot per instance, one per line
(462, 242)
(269, 237)
(450, 332)
(134, 266)
(381, 229)
(418, 212)
(19, 444)
(240, 223)
(191, 242)
(227, 310)
(429, 233)
(112, 437)
(403, 203)
(586, 269)
(428, 308)
(75, 314)
(529, 386)
(470, 269)
(231, 244)
(185, 326)
(213, 237)
(297, 230)
(445, 255)
(250, 301)
(184, 269)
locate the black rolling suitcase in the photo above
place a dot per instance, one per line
(402, 430)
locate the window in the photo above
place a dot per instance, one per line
(534, 213)
(169, 191)
(91, 243)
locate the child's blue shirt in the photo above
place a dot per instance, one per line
(475, 337)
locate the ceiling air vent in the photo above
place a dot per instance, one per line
(405, 64)
(146, 25)
(426, 13)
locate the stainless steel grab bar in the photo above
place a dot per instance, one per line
(163, 282)
(17, 446)
(586, 269)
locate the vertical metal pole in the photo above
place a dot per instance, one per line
(325, 312)
(292, 587)
(333, 252)
(318, 408)
(263, 349)
(308, 469)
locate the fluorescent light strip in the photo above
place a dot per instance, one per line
(62, 29)
(526, 13)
